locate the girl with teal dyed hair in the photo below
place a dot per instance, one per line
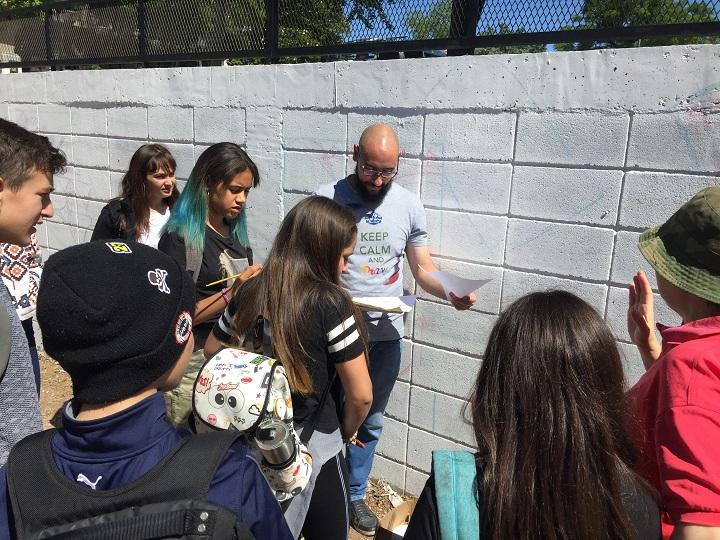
(206, 233)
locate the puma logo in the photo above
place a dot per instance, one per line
(85, 480)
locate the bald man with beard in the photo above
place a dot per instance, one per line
(391, 225)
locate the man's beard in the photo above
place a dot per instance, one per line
(372, 197)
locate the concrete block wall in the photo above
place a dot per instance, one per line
(537, 171)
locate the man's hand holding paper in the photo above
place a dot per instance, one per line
(459, 291)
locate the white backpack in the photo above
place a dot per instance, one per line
(247, 392)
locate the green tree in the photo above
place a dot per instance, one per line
(305, 24)
(302, 22)
(508, 49)
(311, 23)
(435, 24)
(15, 4)
(626, 13)
(368, 12)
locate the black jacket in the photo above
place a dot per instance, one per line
(108, 224)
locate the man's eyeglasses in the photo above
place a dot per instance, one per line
(374, 173)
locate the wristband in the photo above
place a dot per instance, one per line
(354, 440)
(351, 439)
(225, 297)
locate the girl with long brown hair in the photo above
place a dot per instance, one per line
(149, 192)
(297, 304)
(551, 420)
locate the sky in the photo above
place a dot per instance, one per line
(532, 15)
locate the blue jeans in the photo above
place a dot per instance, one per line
(384, 364)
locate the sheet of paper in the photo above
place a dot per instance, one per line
(455, 284)
(388, 304)
(231, 267)
(237, 265)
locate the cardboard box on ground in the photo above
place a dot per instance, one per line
(394, 524)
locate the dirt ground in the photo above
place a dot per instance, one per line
(56, 389)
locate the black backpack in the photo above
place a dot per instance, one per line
(167, 502)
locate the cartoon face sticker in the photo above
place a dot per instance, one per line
(204, 381)
(229, 392)
(230, 400)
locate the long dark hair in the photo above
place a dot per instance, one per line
(550, 417)
(146, 160)
(302, 268)
(220, 162)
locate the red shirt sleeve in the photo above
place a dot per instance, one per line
(687, 439)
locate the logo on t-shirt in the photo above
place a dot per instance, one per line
(373, 218)
(85, 480)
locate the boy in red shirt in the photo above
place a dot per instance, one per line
(677, 401)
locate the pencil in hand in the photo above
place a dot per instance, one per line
(244, 276)
(224, 279)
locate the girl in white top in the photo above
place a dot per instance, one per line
(156, 222)
(149, 192)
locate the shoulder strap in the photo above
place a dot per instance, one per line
(193, 260)
(310, 428)
(261, 336)
(203, 453)
(41, 496)
(456, 491)
(177, 520)
(5, 338)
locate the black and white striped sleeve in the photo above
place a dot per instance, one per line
(221, 329)
(342, 335)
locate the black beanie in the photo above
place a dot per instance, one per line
(115, 315)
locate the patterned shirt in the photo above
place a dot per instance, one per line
(20, 268)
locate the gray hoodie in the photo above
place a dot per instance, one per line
(19, 408)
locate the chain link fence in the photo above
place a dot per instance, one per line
(141, 31)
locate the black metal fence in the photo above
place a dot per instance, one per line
(104, 32)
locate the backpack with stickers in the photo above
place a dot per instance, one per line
(249, 393)
(168, 502)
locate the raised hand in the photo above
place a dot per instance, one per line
(641, 319)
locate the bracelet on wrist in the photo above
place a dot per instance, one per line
(225, 296)
(351, 439)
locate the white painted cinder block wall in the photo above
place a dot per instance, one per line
(537, 171)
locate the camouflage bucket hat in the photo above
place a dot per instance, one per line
(685, 250)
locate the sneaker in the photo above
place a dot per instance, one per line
(362, 519)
